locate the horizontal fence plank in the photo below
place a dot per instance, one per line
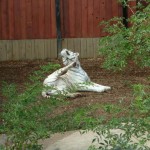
(44, 49)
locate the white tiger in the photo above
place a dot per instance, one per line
(72, 76)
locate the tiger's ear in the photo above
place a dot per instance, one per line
(77, 54)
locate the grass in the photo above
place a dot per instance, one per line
(78, 118)
(81, 118)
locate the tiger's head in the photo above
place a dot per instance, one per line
(69, 56)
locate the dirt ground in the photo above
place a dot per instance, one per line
(18, 72)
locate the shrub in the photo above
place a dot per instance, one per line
(124, 45)
(25, 114)
(136, 123)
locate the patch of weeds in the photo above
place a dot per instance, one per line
(79, 118)
(25, 114)
(134, 125)
(111, 108)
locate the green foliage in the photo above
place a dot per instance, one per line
(123, 45)
(136, 123)
(24, 117)
(142, 100)
(109, 108)
(79, 118)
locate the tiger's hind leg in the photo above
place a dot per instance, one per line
(73, 95)
(93, 87)
(48, 94)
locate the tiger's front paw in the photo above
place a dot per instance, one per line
(48, 96)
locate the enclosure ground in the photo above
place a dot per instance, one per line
(121, 82)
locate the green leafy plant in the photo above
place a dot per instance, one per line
(124, 46)
(121, 48)
(78, 118)
(25, 113)
(132, 130)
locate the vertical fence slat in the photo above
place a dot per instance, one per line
(35, 18)
(9, 49)
(29, 24)
(77, 45)
(65, 17)
(30, 54)
(4, 16)
(89, 47)
(17, 20)
(22, 49)
(16, 50)
(11, 19)
(41, 18)
(3, 55)
(47, 48)
(64, 43)
(41, 49)
(96, 18)
(70, 44)
(53, 19)
(96, 47)
(36, 49)
(90, 18)
(115, 8)
(23, 18)
(62, 17)
(120, 14)
(78, 18)
(84, 16)
(83, 53)
(53, 48)
(72, 18)
(47, 19)
(108, 9)
(102, 15)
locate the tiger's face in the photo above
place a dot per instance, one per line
(68, 56)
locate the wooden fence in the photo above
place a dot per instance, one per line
(81, 18)
(28, 27)
(27, 19)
